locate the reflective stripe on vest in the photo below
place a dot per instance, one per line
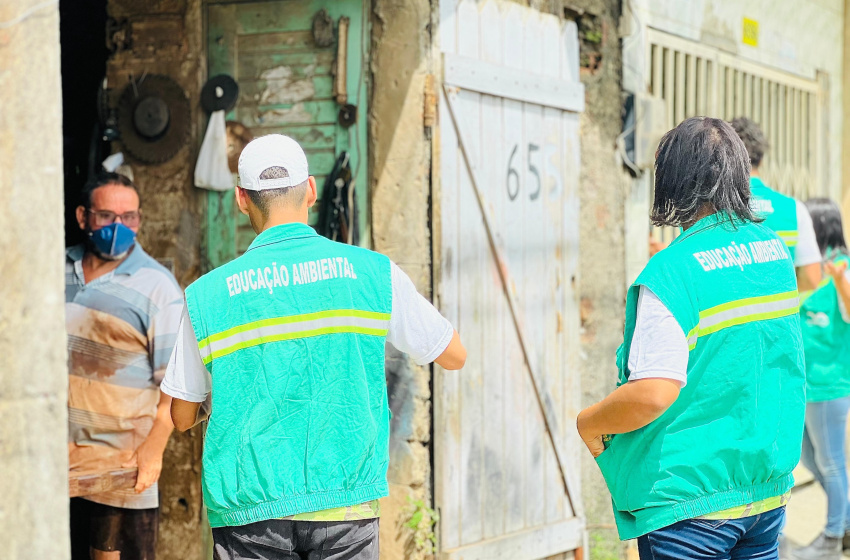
(743, 311)
(293, 327)
(789, 237)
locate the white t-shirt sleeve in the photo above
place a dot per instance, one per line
(807, 250)
(186, 377)
(659, 348)
(416, 327)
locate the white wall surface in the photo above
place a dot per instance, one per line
(798, 37)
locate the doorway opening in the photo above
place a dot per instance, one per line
(82, 28)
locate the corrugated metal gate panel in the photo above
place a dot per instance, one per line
(498, 483)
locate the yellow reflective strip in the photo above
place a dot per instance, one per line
(789, 237)
(745, 302)
(748, 510)
(289, 336)
(293, 319)
(749, 319)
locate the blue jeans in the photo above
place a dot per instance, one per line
(823, 454)
(749, 538)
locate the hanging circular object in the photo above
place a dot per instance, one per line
(220, 93)
(154, 118)
(347, 115)
(151, 117)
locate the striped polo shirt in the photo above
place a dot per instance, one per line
(121, 330)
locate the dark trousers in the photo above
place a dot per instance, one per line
(94, 526)
(278, 539)
(748, 538)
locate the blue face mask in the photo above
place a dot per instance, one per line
(113, 242)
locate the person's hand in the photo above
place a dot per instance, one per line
(594, 445)
(148, 457)
(593, 442)
(836, 270)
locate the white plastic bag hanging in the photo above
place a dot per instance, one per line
(211, 170)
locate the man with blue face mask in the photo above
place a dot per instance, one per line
(122, 313)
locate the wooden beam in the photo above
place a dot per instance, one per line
(503, 81)
(87, 483)
(538, 542)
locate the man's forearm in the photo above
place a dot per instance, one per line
(630, 407)
(162, 425)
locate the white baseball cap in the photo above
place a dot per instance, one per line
(274, 150)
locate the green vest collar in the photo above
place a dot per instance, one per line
(757, 182)
(704, 223)
(283, 232)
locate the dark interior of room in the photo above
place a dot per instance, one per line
(84, 54)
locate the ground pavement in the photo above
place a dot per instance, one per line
(807, 509)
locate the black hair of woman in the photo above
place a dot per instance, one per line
(701, 167)
(826, 219)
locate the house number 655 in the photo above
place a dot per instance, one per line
(513, 176)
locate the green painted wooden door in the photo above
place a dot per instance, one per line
(286, 85)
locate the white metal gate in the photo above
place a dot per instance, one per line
(695, 79)
(506, 226)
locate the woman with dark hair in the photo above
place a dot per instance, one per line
(826, 339)
(698, 441)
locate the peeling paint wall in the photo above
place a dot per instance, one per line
(400, 198)
(165, 38)
(602, 264)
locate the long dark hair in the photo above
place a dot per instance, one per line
(701, 162)
(826, 217)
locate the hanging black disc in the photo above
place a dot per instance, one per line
(220, 93)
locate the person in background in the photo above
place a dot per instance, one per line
(826, 339)
(289, 340)
(787, 216)
(698, 443)
(122, 312)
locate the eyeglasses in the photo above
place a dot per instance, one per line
(105, 218)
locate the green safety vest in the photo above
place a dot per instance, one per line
(778, 211)
(826, 338)
(293, 334)
(733, 436)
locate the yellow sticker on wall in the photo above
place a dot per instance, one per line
(751, 32)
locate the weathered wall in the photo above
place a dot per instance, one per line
(165, 38)
(602, 271)
(33, 413)
(400, 196)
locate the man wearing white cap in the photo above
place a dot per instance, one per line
(289, 341)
